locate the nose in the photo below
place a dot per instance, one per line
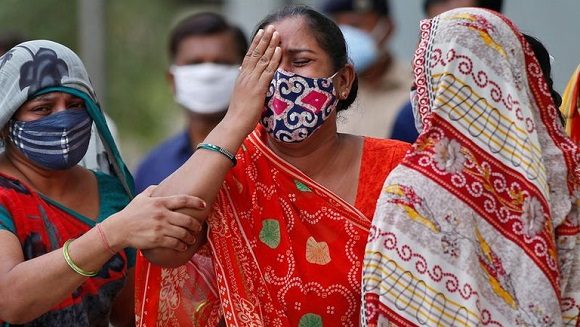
(60, 104)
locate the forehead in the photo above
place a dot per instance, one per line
(218, 47)
(296, 34)
(54, 96)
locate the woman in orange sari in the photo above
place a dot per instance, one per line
(290, 221)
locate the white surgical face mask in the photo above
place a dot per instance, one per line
(362, 48)
(204, 88)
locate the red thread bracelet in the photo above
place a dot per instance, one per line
(104, 239)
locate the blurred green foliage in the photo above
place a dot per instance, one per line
(138, 97)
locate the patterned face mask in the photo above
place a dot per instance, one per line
(58, 141)
(296, 106)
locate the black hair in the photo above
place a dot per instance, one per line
(205, 23)
(543, 57)
(380, 7)
(495, 5)
(326, 33)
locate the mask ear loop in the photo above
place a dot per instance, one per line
(344, 94)
(331, 77)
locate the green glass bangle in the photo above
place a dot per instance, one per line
(219, 149)
(73, 265)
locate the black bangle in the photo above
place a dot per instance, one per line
(215, 148)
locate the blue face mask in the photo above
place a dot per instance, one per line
(58, 141)
(362, 48)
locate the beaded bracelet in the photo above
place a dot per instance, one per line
(73, 265)
(215, 148)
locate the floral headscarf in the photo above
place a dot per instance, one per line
(37, 67)
(479, 224)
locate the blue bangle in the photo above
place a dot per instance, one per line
(215, 148)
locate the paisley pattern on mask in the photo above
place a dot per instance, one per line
(296, 106)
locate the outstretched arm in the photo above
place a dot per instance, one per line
(30, 288)
(203, 174)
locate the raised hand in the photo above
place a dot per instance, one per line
(154, 222)
(256, 72)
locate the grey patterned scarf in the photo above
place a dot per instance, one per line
(41, 66)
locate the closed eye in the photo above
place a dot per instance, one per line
(301, 62)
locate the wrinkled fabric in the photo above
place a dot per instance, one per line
(479, 224)
(57, 141)
(31, 68)
(284, 250)
(40, 223)
(43, 225)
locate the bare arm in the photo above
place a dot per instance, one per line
(27, 287)
(203, 174)
(30, 288)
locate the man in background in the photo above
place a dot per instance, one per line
(205, 52)
(384, 81)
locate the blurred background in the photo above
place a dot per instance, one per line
(124, 45)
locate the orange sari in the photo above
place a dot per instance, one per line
(284, 249)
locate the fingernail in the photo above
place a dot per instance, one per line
(203, 204)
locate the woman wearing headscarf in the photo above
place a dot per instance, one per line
(66, 242)
(479, 224)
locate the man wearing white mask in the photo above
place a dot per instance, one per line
(384, 81)
(205, 53)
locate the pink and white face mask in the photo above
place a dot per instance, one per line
(296, 106)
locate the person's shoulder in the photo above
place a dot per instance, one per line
(109, 184)
(380, 156)
(376, 144)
